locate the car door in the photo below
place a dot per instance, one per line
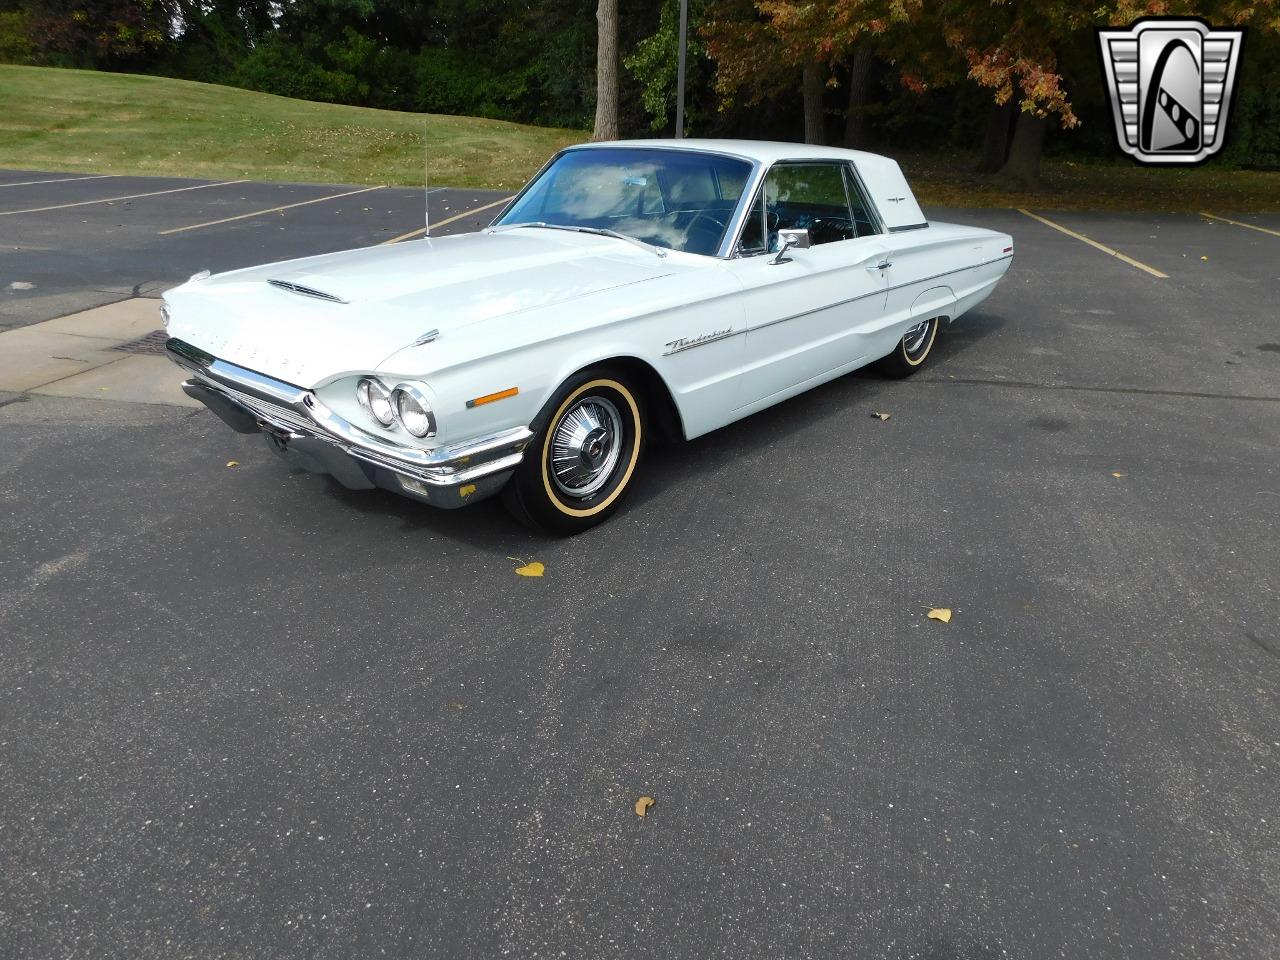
(804, 314)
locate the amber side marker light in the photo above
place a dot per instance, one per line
(491, 397)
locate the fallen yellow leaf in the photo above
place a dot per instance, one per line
(1204, 258)
(880, 416)
(1118, 475)
(534, 569)
(642, 805)
(940, 613)
(233, 463)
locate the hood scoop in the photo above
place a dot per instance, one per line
(306, 291)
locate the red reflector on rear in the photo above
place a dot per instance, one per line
(1008, 250)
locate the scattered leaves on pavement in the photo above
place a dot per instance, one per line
(534, 569)
(233, 463)
(1117, 474)
(643, 805)
(880, 416)
(940, 613)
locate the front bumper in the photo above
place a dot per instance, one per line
(309, 435)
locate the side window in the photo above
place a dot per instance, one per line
(808, 196)
(858, 202)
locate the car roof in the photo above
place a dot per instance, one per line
(764, 151)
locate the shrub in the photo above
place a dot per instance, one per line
(15, 38)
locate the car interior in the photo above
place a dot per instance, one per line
(806, 196)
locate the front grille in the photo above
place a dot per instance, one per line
(276, 414)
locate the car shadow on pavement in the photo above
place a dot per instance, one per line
(769, 430)
(487, 525)
(967, 332)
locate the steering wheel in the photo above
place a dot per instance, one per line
(706, 228)
(700, 215)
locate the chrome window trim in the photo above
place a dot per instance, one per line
(732, 228)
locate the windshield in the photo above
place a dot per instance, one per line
(677, 199)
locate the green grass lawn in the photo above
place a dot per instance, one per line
(82, 121)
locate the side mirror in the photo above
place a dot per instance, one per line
(791, 240)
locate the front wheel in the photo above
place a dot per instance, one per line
(912, 350)
(579, 465)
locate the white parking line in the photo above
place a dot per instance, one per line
(132, 196)
(1096, 245)
(32, 183)
(448, 220)
(259, 213)
(1251, 226)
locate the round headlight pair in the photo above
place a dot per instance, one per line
(406, 404)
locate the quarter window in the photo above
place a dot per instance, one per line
(858, 203)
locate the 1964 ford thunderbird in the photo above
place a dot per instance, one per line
(631, 289)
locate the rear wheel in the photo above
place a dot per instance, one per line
(580, 463)
(912, 350)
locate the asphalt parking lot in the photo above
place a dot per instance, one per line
(248, 713)
(74, 242)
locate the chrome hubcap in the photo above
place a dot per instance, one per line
(913, 340)
(585, 446)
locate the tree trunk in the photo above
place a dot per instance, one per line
(813, 86)
(859, 88)
(606, 71)
(995, 146)
(1022, 169)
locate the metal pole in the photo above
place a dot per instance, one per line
(684, 32)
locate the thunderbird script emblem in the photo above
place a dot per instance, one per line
(1170, 82)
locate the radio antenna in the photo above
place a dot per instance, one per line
(426, 193)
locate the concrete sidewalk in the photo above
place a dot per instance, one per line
(79, 356)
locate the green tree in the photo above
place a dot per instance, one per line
(653, 64)
(109, 34)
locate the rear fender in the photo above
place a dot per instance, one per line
(934, 302)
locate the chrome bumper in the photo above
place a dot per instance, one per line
(309, 435)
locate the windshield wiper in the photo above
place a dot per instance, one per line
(598, 231)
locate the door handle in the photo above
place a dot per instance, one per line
(884, 264)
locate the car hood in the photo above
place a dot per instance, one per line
(310, 320)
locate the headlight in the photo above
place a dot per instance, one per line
(376, 401)
(415, 412)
